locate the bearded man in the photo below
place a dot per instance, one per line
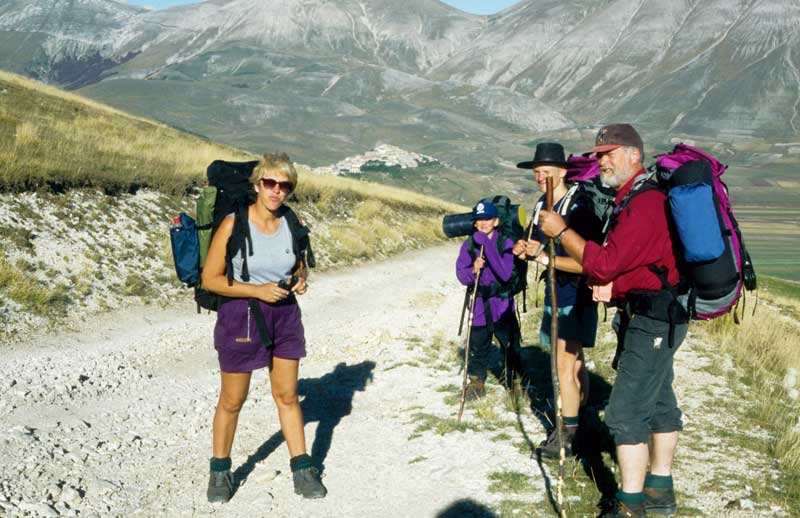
(636, 270)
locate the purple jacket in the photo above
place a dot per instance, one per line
(498, 269)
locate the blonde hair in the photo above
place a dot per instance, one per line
(274, 163)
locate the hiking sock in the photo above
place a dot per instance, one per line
(658, 481)
(570, 423)
(630, 498)
(220, 464)
(300, 462)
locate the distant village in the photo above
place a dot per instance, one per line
(381, 157)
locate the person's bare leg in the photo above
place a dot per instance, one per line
(283, 378)
(632, 460)
(233, 393)
(582, 378)
(662, 451)
(566, 357)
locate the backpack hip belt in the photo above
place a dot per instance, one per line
(659, 305)
(494, 289)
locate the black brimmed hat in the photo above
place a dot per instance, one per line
(547, 153)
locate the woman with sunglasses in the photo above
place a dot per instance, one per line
(236, 335)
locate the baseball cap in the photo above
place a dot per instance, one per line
(484, 210)
(612, 136)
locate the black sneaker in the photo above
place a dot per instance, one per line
(623, 510)
(548, 448)
(308, 484)
(220, 486)
(660, 500)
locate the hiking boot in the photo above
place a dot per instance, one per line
(623, 510)
(548, 448)
(308, 484)
(476, 389)
(660, 500)
(220, 486)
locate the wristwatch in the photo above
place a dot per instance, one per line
(558, 236)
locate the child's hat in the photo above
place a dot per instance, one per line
(484, 210)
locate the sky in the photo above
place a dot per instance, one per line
(470, 6)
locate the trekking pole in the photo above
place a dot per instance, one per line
(551, 277)
(469, 334)
(463, 311)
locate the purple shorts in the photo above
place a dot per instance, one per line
(238, 342)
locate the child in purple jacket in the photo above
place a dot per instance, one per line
(494, 312)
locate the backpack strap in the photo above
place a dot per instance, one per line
(240, 241)
(500, 242)
(567, 200)
(536, 211)
(261, 324)
(643, 183)
(301, 243)
(471, 248)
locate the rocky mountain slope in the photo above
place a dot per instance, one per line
(329, 79)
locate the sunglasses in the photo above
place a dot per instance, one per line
(270, 183)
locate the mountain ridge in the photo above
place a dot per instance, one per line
(331, 79)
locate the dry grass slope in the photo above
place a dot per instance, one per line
(53, 138)
(765, 347)
(50, 138)
(72, 166)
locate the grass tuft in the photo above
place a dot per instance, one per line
(445, 425)
(32, 295)
(510, 482)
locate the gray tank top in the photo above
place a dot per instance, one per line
(272, 259)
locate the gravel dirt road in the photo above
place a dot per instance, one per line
(115, 420)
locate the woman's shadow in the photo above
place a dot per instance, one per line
(326, 400)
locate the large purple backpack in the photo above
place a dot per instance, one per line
(717, 264)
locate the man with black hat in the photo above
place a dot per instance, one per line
(637, 266)
(577, 312)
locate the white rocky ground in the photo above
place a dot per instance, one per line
(116, 420)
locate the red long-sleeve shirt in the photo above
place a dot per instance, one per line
(641, 238)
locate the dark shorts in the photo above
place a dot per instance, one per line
(642, 400)
(575, 323)
(238, 343)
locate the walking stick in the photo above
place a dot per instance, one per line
(463, 311)
(536, 272)
(551, 277)
(469, 334)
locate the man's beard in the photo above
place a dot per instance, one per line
(616, 178)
